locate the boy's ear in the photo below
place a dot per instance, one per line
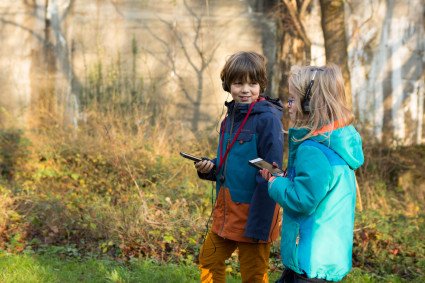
(225, 86)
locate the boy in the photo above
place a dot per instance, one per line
(244, 216)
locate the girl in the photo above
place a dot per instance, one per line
(318, 194)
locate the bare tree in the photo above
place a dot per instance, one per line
(50, 54)
(198, 56)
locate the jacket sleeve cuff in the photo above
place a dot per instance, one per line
(210, 176)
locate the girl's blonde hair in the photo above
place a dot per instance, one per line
(328, 101)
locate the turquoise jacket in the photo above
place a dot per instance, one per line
(318, 197)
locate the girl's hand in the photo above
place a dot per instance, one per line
(269, 176)
(266, 174)
(204, 166)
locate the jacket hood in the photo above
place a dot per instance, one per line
(345, 141)
(267, 105)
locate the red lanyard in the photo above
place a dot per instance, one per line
(223, 158)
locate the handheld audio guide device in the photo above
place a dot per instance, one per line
(260, 163)
(190, 156)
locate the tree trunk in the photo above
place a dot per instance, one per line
(44, 108)
(333, 25)
(293, 46)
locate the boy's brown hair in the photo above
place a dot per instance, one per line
(244, 66)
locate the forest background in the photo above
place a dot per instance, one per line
(97, 98)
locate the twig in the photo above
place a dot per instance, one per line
(127, 166)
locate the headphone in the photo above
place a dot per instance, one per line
(305, 104)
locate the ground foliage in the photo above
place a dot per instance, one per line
(106, 191)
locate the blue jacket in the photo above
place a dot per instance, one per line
(318, 198)
(244, 211)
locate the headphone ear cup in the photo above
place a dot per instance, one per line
(225, 87)
(305, 105)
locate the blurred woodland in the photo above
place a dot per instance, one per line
(98, 97)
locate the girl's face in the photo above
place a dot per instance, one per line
(292, 104)
(245, 92)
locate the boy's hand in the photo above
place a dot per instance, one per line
(204, 166)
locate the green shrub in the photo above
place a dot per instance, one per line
(107, 195)
(390, 244)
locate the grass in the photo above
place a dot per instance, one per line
(36, 268)
(30, 268)
(44, 268)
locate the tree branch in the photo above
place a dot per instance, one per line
(67, 9)
(296, 20)
(304, 7)
(33, 33)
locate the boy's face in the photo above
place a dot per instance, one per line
(245, 92)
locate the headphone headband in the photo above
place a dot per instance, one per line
(305, 104)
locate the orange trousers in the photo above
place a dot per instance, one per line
(253, 259)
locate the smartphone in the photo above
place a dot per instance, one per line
(260, 163)
(191, 157)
